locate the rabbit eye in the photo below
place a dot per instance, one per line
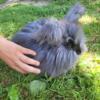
(69, 43)
(70, 40)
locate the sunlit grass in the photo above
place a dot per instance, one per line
(86, 19)
(90, 62)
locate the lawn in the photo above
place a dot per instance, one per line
(2, 1)
(81, 83)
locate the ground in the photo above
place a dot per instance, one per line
(2, 1)
(81, 83)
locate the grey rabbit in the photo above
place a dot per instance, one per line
(58, 43)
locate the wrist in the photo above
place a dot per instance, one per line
(2, 44)
(1, 39)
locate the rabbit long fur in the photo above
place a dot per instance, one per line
(58, 43)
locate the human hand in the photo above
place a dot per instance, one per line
(14, 56)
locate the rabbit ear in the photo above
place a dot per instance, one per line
(75, 13)
(51, 33)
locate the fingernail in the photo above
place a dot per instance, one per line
(38, 71)
(35, 53)
(37, 63)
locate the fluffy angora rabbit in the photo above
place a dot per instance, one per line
(58, 43)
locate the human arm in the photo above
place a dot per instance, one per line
(14, 56)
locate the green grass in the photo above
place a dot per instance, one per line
(2, 1)
(81, 83)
